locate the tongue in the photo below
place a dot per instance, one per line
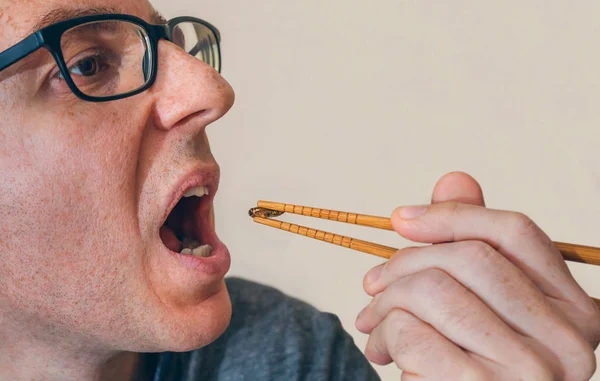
(169, 239)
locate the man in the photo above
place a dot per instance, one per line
(110, 268)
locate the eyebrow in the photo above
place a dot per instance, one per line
(61, 14)
(157, 18)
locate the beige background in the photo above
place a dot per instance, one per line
(362, 106)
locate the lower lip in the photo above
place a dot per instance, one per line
(214, 267)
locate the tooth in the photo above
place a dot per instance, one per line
(202, 251)
(198, 191)
(186, 251)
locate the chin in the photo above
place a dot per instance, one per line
(196, 328)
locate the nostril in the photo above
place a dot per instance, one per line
(200, 113)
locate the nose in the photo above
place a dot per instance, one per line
(187, 88)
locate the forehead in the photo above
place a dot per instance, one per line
(18, 17)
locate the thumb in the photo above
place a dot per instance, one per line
(458, 187)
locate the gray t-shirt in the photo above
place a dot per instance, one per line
(272, 337)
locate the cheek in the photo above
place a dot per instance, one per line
(69, 233)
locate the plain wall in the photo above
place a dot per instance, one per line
(361, 106)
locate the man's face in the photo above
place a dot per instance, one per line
(85, 189)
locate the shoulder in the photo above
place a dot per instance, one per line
(255, 304)
(249, 296)
(273, 336)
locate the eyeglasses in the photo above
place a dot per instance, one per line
(108, 57)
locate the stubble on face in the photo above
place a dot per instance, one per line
(74, 248)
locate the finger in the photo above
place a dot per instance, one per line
(514, 235)
(439, 300)
(496, 282)
(483, 271)
(458, 187)
(418, 349)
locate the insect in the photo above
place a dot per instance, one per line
(264, 213)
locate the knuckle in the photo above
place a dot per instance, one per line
(399, 319)
(522, 225)
(471, 374)
(533, 367)
(582, 360)
(394, 264)
(434, 281)
(376, 350)
(541, 374)
(406, 332)
(478, 251)
(444, 294)
(585, 368)
(473, 371)
(378, 346)
(589, 309)
(588, 365)
(435, 290)
(589, 315)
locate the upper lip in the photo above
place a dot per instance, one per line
(206, 175)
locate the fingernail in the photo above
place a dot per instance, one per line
(373, 274)
(411, 212)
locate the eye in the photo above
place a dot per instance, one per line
(89, 66)
(93, 71)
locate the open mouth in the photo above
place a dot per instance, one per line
(187, 228)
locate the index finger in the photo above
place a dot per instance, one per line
(512, 234)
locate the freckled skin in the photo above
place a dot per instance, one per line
(81, 183)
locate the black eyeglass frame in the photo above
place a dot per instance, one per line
(50, 36)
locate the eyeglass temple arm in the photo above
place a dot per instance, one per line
(20, 51)
(198, 47)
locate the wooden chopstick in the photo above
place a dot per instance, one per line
(570, 252)
(336, 239)
(327, 214)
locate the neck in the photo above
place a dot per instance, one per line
(23, 358)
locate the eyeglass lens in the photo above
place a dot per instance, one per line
(199, 41)
(113, 57)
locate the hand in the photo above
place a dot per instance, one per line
(492, 299)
